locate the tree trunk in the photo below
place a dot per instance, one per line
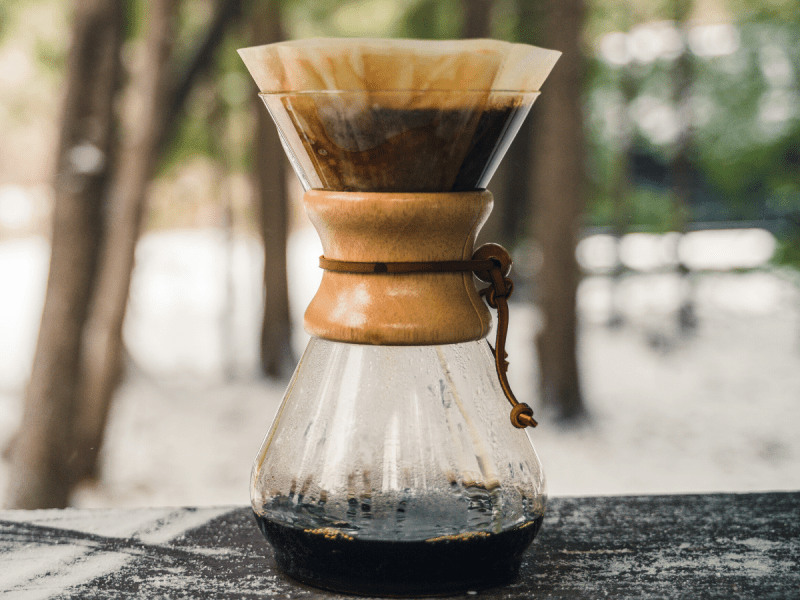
(558, 175)
(163, 97)
(477, 18)
(41, 457)
(101, 366)
(682, 164)
(269, 184)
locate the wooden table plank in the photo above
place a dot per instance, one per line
(684, 546)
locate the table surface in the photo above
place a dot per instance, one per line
(682, 546)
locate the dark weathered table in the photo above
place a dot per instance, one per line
(703, 546)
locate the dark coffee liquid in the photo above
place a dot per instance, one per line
(331, 559)
(381, 149)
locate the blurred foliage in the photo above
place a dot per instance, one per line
(788, 251)
(743, 122)
(135, 14)
(648, 208)
(434, 20)
(742, 113)
(50, 56)
(5, 14)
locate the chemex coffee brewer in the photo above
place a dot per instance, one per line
(398, 463)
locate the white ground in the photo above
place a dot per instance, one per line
(715, 411)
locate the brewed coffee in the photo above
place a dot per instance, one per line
(443, 565)
(352, 141)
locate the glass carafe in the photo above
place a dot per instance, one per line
(394, 469)
(391, 466)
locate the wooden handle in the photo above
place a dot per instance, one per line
(397, 309)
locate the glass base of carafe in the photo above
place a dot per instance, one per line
(451, 564)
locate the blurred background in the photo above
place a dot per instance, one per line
(651, 203)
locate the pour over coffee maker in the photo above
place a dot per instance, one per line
(398, 462)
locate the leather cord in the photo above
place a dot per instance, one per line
(491, 263)
(401, 268)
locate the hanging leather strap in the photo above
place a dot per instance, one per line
(491, 263)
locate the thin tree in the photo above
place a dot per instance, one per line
(681, 167)
(41, 456)
(272, 206)
(558, 203)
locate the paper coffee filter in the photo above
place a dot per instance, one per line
(378, 64)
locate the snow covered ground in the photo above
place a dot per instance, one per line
(713, 411)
